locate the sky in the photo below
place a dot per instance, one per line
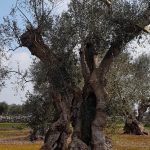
(23, 58)
(11, 93)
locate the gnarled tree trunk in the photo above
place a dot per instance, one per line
(66, 132)
(133, 125)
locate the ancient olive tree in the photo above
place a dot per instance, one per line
(99, 30)
(142, 78)
(141, 95)
(120, 86)
(127, 86)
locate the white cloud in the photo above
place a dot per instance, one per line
(22, 59)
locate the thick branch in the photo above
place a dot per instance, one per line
(130, 33)
(32, 39)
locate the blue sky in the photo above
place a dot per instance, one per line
(9, 93)
(5, 6)
(21, 57)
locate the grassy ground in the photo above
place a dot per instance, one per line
(131, 142)
(10, 126)
(11, 130)
(122, 141)
(15, 137)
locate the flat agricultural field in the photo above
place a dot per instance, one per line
(15, 136)
(122, 141)
(131, 142)
(20, 146)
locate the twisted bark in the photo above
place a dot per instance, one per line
(66, 133)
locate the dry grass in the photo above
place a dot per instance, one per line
(122, 141)
(131, 142)
(20, 146)
(10, 130)
(13, 133)
(14, 136)
(17, 140)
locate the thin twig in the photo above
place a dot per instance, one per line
(24, 15)
(14, 48)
